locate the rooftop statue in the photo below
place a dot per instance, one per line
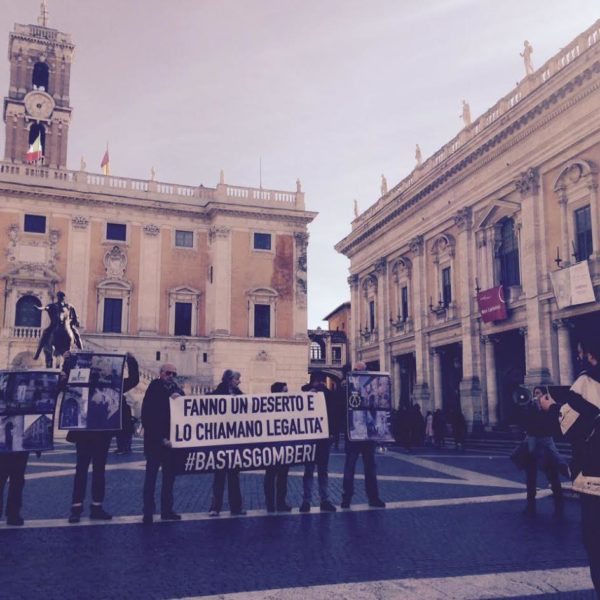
(355, 209)
(384, 185)
(466, 113)
(526, 54)
(418, 155)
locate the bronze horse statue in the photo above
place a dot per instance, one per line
(61, 334)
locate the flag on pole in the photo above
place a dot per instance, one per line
(35, 150)
(105, 164)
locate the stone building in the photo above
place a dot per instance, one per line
(496, 215)
(204, 277)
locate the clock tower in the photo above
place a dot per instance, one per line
(37, 104)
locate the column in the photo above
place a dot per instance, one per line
(470, 387)
(300, 283)
(219, 298)
(421, 387)
(150, 291)
(382, 311)
(78, 265)
(564, 352)
(437, 378)
(353, 341)
(396, 381)
(490, 381)
(595, 216)
(538, 343)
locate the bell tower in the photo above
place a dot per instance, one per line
(37, 104)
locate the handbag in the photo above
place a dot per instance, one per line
(520, 455)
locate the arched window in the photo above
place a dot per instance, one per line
(508, 253)
(40, 76)
(316, 351)
(27, 313)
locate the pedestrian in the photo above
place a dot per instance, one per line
(439, 428)
(579, 420)
(156, 420)
(459, 429)
(429, 429)
(542, 453)
(229, 386)
(125, 436)
(12, 469)
(92, 447)
(354, 449)
(317, 384)
(276, 476)
(417, 426)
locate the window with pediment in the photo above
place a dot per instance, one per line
(369, 303)
(183, 311)
(401, 290)
(114, 296)
(262, 311)
(508, 253)
(443, 252)
(576, 190)
(27, 313)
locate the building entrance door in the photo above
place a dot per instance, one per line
(510, 373)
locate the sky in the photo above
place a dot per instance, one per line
(334, 92)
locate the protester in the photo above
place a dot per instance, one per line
(276, 476)
(365, 448)
(317, 384)
(156, 420)
(579, 420)
(92, 447)
(540, 428)
(229, 386)
(12, 469)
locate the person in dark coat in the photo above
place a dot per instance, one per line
(92, 447)
(354, 449)
(229, 386)
(12, 468)
(156, 420)
(439, 428)
(543, 454)
(317, 384)
(125, 436)
(579, 421)
(276, 477)
(459, 429)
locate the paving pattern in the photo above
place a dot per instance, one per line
(453, 528)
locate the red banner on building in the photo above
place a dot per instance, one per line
(492, 306)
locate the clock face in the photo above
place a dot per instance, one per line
(39, 104)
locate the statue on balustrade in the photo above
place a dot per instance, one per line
(526, 54)
(62, 334)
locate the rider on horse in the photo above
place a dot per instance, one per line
(59, 311)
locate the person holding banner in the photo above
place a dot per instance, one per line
(277, 476)
(317, 384)
(12, 468)
(229, 386)
(353, 451)
(156, 420)
(92, 447)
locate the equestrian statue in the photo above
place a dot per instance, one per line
(62, 332)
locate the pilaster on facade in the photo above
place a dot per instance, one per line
(300, 284)
(219, 281)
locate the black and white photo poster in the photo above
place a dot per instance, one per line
(93, 393)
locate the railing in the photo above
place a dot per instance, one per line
(530, 83)
(25, 333)
(95, 182)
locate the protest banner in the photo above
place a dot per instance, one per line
(369, 406)
(246, 432)
(27, 402)
(94, 391)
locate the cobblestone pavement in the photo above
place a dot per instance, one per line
(453, 528)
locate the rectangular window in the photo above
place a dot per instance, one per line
(372, 315)
(113, 311)
(34, 224)
(183, 318)
(446, 286)
(184, 239)
(583, 233)
(262, 320)
(336, 355)
(116, 232)
(262, 241)
(404, 302)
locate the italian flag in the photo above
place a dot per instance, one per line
(105, 164)
(35, 150)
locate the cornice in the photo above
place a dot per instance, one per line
(487, 151)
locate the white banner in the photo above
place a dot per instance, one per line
(212, 421)
(573, 285)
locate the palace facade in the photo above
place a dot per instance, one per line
(207, 278)
(508, 206)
